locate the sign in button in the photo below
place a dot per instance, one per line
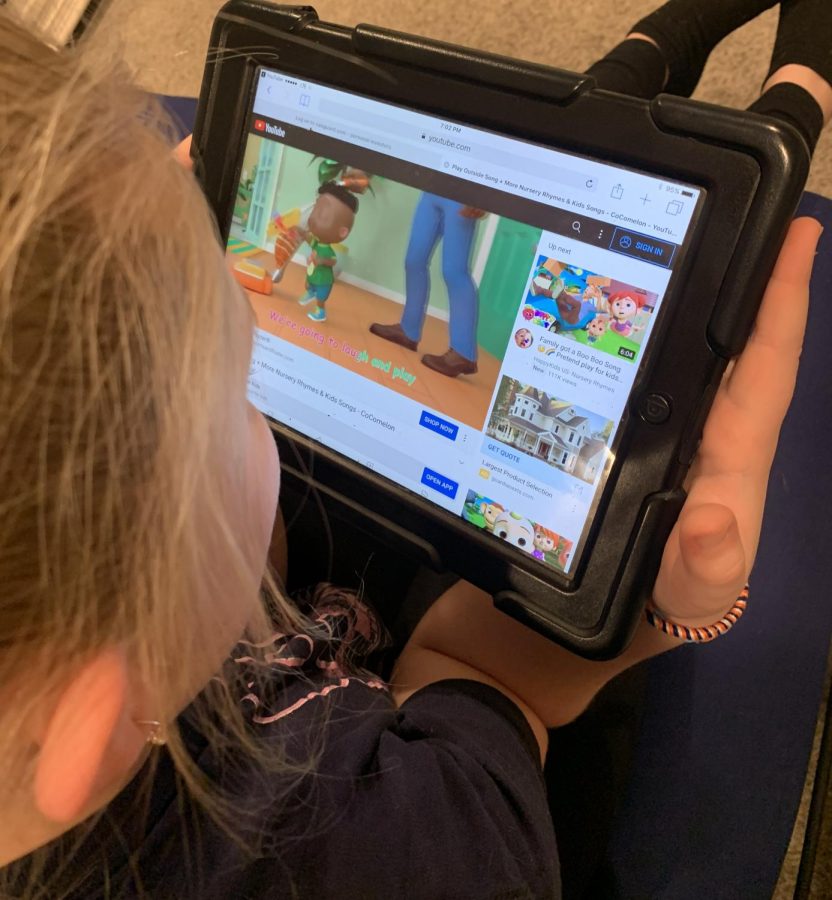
(440, 426)
(631, 243)
(440, 483)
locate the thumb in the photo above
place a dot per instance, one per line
(707, 572)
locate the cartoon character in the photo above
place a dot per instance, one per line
(623, 307)
(330, 221)
(490, 511)
(438, 218)
(545, 542)
(515, 530)
(597, 328)
(523, 338)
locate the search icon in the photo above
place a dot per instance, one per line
(576, 226)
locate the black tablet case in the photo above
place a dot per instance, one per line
(753, 169)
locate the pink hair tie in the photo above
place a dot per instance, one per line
(704, 633)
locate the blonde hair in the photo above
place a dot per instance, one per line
(121, 396)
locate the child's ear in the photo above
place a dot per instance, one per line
(343, 232)
(90, 743)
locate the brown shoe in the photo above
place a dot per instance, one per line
(450, 363)
(394, 333)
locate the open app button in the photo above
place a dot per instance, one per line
(440, 483)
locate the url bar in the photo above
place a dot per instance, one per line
(381, 142)
(506, 160)
(514, 163)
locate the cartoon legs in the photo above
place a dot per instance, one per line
(438, 218)
(319, 294)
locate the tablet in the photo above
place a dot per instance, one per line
(495, 301)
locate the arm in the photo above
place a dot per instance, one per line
(706, 559)
(328, 261)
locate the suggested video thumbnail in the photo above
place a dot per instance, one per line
(411, 290)
(558, 432)
(532, 537)
(608, 315)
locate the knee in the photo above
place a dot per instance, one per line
(457, 277)
(415, 261)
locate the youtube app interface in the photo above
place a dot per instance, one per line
(460, 312)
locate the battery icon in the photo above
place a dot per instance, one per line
(687, 193)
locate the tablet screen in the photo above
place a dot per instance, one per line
(461, 312)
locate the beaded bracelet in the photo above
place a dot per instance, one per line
(704, 633)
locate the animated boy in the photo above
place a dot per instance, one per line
(596, 328)
(330, 222)
(514, 529)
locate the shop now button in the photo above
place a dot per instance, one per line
(440, 483)
(440, 426)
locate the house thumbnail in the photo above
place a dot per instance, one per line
(551, 430)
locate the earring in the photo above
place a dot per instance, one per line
(155, 734)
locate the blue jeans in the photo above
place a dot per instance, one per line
(438, 218)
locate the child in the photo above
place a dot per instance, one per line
(545, 542)
(624, 306)
(139, 492)
(330, 221)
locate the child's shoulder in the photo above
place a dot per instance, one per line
(373, 800)
(290, 672)
(401, 801)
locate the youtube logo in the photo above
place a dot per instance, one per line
(264, 128)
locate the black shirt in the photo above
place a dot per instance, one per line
(441, 798)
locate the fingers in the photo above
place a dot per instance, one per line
(710, 551)
(768, 366)
(708, 568)
(182, 153)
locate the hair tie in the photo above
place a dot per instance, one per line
(703, 634)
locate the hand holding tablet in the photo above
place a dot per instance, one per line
(711, 550)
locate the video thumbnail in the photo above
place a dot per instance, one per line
(558, 432)
(608, 315)
(532, 537)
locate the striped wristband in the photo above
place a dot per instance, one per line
(704, 633)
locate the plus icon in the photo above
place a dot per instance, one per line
(645, 199)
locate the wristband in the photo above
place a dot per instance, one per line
(704, 633)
